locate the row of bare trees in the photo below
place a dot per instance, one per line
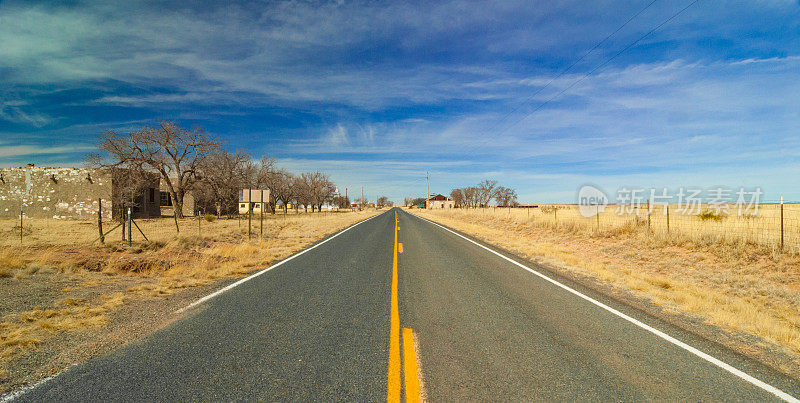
(225, 173)
(193, 161)
(482, 194)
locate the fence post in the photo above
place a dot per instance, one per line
(597, 214)
(249, 212)
(130, 233)
(648, 214)
(100, 219)
(199, 234)
(781, 223)
(667, 218)
(21, 214)
(261, 228)
(555, 214)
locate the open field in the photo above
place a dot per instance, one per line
(702, 225)
(59, 289)
(717, 277)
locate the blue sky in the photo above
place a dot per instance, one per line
(376, 93)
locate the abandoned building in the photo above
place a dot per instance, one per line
(77, 193)
(440, 201)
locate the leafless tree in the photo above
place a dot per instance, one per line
(487, 190)
(418, 201)
(362, 202)
(223, 175)
(458, 197)
(471, 196)
(302, 190)
(506, 197)
(268, 177)
(283, 189)
(130, 182)
(383, 201)
(172, 151)
(341, 202)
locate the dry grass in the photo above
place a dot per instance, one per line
(166, 264)
(704, 225)
(27, 329)
(727, 281)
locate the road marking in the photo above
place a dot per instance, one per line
(707, 357)
(252, 276)
(410, 366)
(393, 388)
(13, 395)
(400, 247)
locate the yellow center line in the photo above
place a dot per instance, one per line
(410, 366)
(393, 393)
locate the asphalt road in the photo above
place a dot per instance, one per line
(327, 325)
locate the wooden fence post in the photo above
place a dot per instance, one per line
(100, 219)
(781, 223)
(21, 214)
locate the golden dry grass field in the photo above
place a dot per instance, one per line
(56, 281)
(712, 273)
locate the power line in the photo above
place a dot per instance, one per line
(597, 45)
(601, 65)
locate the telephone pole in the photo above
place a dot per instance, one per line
(428, 185)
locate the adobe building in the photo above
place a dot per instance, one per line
(76, 193)
(440, 201)
(166, 206)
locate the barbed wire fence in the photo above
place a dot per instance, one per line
(28, 231)
(774, 225)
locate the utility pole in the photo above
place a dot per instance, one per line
(428, 185)
(363, 202)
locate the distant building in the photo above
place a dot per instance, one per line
(440, 202)
(77, 193)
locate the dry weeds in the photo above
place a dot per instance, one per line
(166, 264)
(735, 284)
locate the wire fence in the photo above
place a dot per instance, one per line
(775, 226)
(59, 232)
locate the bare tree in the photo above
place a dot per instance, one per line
(283, 189)
(223, 175)
(269, 177)
(303, 193)
(383, 201)
(471, 196)
(172, 151)
(458, 197)
(341, 202)
(506, 197)
(418, 201)
(362, 202)
(487, 190)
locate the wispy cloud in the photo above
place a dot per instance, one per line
(380, 91)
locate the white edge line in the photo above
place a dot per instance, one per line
(19, 392)
(713, 360)
(252, 276)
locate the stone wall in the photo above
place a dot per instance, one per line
(60, 193)
(75, 193)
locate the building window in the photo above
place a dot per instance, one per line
(165, 199)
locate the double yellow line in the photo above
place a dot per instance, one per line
(409, 353)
